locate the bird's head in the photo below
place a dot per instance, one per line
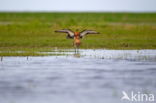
(77, 32)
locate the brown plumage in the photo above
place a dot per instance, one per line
(76, 35)
(77, 41)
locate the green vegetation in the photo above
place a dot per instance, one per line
(35, 31)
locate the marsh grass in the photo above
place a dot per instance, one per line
(35, 31)
(20, 54)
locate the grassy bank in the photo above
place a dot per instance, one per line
(35, 31)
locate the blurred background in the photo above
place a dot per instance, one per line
(79, 5)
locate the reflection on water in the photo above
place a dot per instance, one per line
(77, 55)
(92, 76)
(141, 55)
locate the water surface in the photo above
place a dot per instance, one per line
(90, 76)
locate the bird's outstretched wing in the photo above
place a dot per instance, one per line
(85, 32)
(68, 31)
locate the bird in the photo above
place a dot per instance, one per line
(76, 35)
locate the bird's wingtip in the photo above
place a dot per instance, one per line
(56, 31)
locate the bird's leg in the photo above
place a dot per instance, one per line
(77, 49)
(74, 46)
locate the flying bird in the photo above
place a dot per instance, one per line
(76, 35)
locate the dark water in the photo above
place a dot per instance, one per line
(92, 76)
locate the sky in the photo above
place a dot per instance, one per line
(79, 5)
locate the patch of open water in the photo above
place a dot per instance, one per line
(90, 76)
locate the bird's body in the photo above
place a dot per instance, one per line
(76, 35)
(77, 41)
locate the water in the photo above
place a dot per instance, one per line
(91, 76)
